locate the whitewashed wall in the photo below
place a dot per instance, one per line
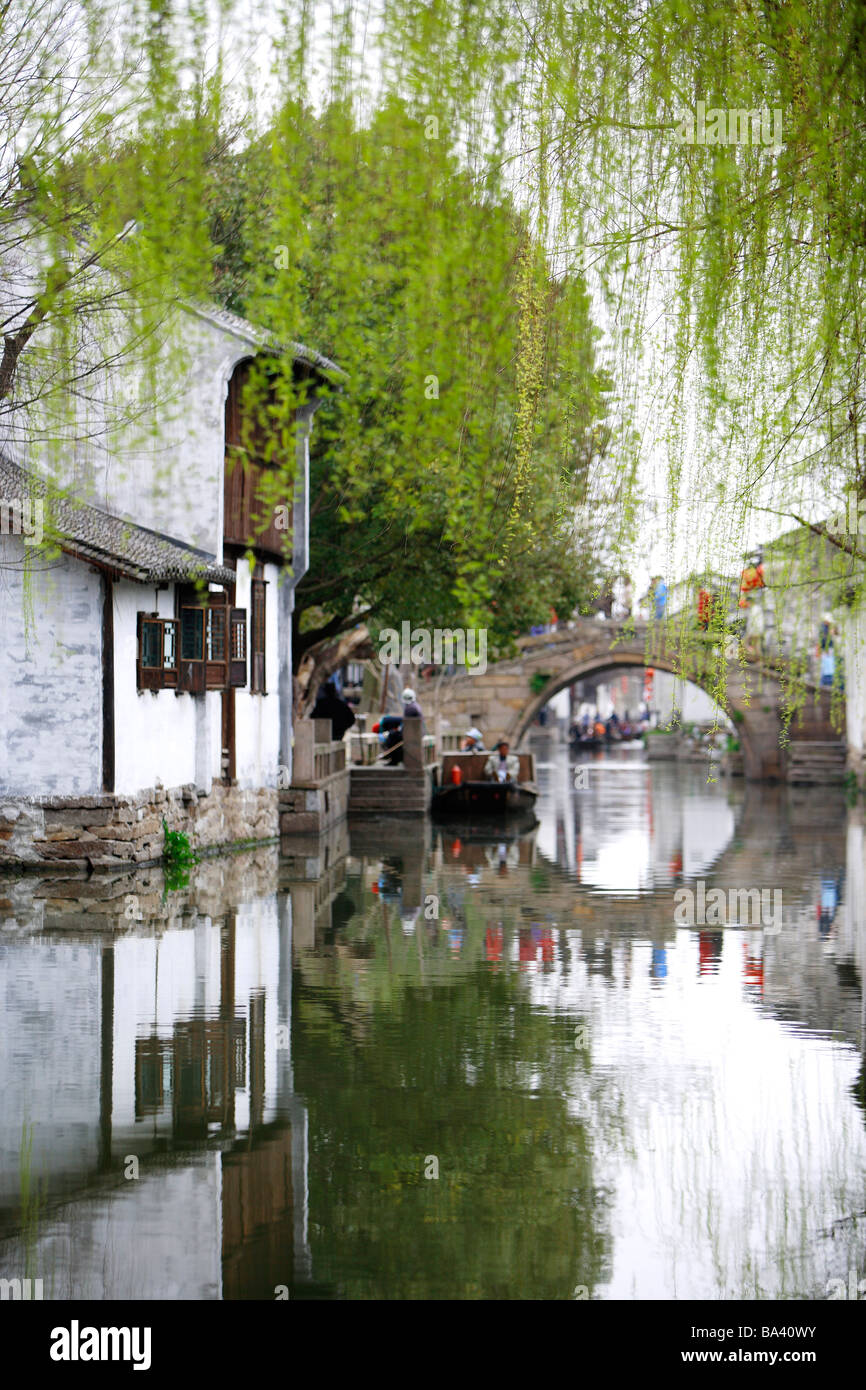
(50, 676)
(164, 470)
(147, 446)
(154, 731)
(854, 647)
(257, 717)
(695, 706)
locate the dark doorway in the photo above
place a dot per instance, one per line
(228, 737)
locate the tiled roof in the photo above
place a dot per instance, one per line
(85, 531)
(262, 338)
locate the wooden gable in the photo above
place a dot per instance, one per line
(250, 520)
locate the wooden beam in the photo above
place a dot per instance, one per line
(107, 683)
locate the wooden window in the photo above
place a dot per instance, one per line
(216, 644)
(257, 638)
(157, 652)
(238, 647)
(191, 667)
(208, 640)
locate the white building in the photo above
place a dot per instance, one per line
(146, 591)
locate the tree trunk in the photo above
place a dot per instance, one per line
(323, 660)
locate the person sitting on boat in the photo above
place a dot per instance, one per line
(502, 766)
(472, 742)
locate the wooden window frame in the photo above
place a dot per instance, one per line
(216, 626)
(258, 629)
(223, 629)
(162, 677)
(237, 664)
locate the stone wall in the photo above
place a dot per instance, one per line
(308, 810)
(111, 832)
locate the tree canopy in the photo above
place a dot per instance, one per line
(446, 475)
(449, 199)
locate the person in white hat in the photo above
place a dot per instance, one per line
(411, 708)
(472, 741)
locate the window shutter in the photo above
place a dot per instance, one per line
(217, 645)
(150, 669)
(238, 648)
(169, 653)
(191, 677)
(191, 666)
(257, 638)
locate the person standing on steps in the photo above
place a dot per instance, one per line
(329, 705)
(411, 708)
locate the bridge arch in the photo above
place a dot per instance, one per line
(596, 666)
(502, 700)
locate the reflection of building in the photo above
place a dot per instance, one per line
(633, 824)
(172, 1050)
(688, 702)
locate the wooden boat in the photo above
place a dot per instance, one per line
(476, 796)
(588, 741)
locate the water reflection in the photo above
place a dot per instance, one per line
(434, 1061)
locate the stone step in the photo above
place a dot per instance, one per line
(377, 804)
(817, 761)
(407, 789)
(819, 757)
(387, 807)
(387, 779)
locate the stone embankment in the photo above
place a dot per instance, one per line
(109, 831)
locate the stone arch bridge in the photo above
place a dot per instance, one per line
(505, 699)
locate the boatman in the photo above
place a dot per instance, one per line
(502, 766)
(472, 741)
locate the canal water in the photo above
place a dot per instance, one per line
(421, 1062)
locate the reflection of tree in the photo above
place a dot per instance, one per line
(477, 1077)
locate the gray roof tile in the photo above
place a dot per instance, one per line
(83, 530)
